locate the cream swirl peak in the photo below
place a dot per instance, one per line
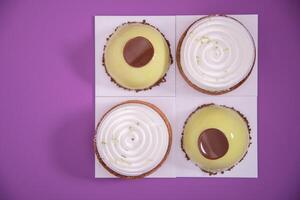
(132, 139)
(217, 54)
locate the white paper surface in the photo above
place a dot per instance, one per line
(174, 97)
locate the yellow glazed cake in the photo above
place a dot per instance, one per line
(216, 138)
(137, 56)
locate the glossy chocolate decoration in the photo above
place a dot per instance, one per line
(213, 144)
(138, 51)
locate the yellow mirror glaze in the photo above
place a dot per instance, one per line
(233, 125)
(132, 77)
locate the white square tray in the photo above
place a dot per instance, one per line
(171, 96)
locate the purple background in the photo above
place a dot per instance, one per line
(47, 102)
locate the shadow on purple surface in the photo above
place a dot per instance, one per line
(81, 57)
(5, 9)
(5, 192)
(72, 148)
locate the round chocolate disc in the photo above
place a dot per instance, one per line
(138, 51)
(212, 143)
